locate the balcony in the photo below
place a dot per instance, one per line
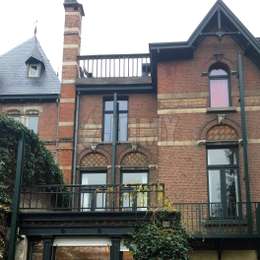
(119, 69)
(213, 220)
(123, 205)
(90, 198)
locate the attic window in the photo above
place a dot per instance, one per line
(34, 70)
(219, 86)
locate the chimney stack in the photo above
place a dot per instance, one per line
(71, 49)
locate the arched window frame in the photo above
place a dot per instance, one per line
(214, 77)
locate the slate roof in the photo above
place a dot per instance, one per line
(13, 72)
(70, 1)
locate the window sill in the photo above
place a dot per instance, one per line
(221, 109)
(123, 142)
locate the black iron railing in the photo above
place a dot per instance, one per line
(87, 198)
(114, 66)
(212, 219)
(199, 219)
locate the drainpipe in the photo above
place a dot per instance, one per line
(16, 200)
(75, 139)
(245, 140)
(114, 138)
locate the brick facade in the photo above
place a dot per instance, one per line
(170, 127)
(47, 123)
(182, 162)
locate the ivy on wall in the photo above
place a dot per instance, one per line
(39, 166)
(162, 239)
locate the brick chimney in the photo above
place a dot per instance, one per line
(71, 49)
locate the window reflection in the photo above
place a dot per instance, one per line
(122, 130)
(133, 196)
(223, 182)
(92, 196)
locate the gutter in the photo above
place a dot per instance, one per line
(38, 97)
(75, 139)
(245, 140)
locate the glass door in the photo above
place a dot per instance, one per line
(93, 193)
(134, 195)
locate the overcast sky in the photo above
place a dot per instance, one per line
(113, 26)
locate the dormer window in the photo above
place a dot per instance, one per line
(34, 70)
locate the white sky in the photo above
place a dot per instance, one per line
(113, 26)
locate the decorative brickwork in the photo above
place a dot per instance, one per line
(135, 159)
(222, 133)
(93, 160)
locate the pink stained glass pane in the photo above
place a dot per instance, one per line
(219, 94)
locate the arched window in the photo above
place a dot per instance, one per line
(219, 87)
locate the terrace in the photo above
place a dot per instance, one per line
(118, 69)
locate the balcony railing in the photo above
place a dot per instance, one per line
(199, 219)
(212, 219)
(92, 198)
(114, 66)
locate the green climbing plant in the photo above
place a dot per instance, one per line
(39, 167)
(161, 239)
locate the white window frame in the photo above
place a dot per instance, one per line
(34, 73)
(24, 118)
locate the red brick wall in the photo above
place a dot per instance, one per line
(142, 120)
(71, 49)
(182, 101)
(48, 117)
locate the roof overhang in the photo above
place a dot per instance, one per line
(31, 98)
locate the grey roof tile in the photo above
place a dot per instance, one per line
(70, 1)
(13, 72)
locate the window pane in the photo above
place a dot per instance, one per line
(122, 127)
(93, 178)
(221, 157)
(108, 127)
(132, 198)
(218, 72)
(219, 93)
(109, 105)
(231, 192)
(215, 207)
(214, 186)
(135, 178)
(16, 117)
(32, 123)
(34, 70)
(122, 105)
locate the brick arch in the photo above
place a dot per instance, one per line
(227, 126)
(93, 159)
(211, 61)
(134, 159)
(222, 133)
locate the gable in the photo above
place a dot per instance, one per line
(219, 22)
